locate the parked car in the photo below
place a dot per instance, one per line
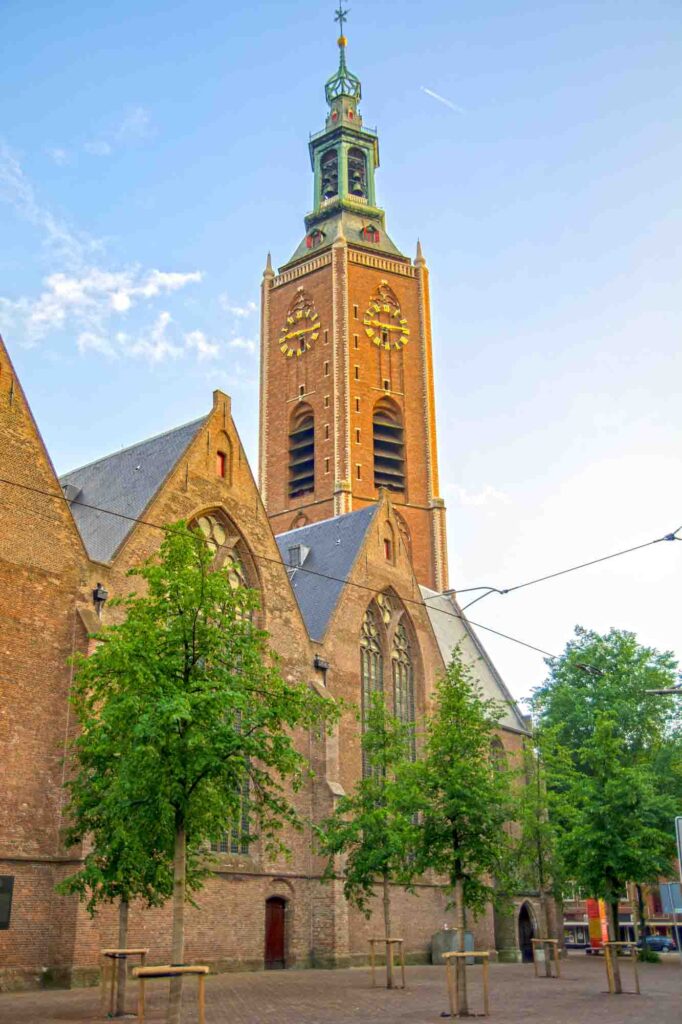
(659, 943)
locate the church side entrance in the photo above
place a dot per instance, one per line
(526, 933)
(274, 933)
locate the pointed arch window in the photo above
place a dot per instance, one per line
(329, 174)
(403, 682)
(357, 173)
(371, 669)
(389, 446)
(302, 453)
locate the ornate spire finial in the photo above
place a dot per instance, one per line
(419, 261)
(268, 272)
(343, 83)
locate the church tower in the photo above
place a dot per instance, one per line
(346, 388)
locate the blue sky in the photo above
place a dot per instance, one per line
(151, 154)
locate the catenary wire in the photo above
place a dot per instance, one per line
(563, 572)
(276, 561)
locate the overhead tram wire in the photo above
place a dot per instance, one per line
(564, 572)
(275, 561)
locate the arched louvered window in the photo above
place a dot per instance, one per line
(302, 453)
(389, 447)
(329, 174)
(403, 682)
(498, 755)
(357, 173)
(371, 668)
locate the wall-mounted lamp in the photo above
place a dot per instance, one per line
(321, 665)
(99, 599)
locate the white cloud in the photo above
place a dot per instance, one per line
(60, 156)
(136, 124)
(442, 99)
(205, 349)
(81, 295)
(488, 495)
(98, 147)
(241, 312)
(248, 344)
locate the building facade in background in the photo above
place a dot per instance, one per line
(344, 541)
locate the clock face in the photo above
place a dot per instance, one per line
(301, 329)
(384, 322)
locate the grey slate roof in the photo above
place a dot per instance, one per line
(334, 545)
(451, 627)
(124, 483)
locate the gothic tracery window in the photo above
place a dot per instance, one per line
(225, 546)
(371, 668)
(403, 682)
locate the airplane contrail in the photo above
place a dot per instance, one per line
(442, 99)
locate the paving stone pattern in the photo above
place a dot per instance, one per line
(339, 997)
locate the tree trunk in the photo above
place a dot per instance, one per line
(122, 965)
(387, 932)
(544, 925)
(613, 935)
(460, 968)
(178, 945)
(644, 930)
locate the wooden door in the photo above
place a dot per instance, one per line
(274, 933)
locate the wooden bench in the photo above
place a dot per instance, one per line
(109, 973)
(553, 950)
(170, 971)
(389, 943)
(483, 955)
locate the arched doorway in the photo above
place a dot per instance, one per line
(275, 910)
(526, 933)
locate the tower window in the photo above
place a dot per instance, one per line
(302, 453)
(326, 369)
(357, 173)
(356, 343)
(357, 405)
(357, 435)
(326, 337)
(326, 465)
(329, 174)
(301, 390)
(326, 432)
(388, 550)
(358, 471)
(355, 312)
(389, 446)
(357, 373)
(370, 233)
(326, 401)
(221, 464)
(314, 239)
(387, 385)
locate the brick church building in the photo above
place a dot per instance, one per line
(343, 537)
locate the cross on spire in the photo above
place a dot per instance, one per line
(341, 16)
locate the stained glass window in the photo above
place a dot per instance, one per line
(371, 669)
(403, 682)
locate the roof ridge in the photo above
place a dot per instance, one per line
(331, 519)
(131, 447)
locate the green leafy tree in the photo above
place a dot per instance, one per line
(185, 699)
(466, 800)
(604, 740)
(536, 856)
(374, 827)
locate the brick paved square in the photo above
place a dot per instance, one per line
(339, 997)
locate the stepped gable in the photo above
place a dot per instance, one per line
(122, 484)
(334, 545)
(451, 628)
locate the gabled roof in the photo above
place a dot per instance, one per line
(451, 627)
(122, 483)
(334, 545)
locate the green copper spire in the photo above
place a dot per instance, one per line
(344, 157)
(344, 82)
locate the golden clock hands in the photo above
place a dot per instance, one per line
(387, 327)
(301, 330)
